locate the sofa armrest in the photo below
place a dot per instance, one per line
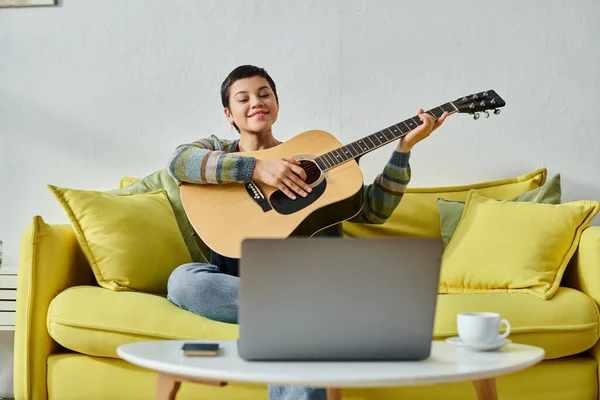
(50, 261)
(583, 272)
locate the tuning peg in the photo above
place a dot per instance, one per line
(476, 116)
(496, 111)
(487, 113)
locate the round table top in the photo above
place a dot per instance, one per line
(445, 364)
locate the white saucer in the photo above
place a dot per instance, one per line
(457, 341)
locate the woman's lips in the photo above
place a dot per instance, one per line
(260, 114)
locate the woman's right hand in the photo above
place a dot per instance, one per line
(284, 174)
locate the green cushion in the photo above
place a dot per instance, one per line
(161, 179)
(451, 210)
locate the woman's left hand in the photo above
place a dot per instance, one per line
(429, 125)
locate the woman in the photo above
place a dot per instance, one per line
(251, 105)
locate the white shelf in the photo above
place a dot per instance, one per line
(8, 269)
(7, 318)
(8, 277)
(8, 295)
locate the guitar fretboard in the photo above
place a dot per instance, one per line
(381, 138)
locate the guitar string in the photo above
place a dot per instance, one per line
(314, 167)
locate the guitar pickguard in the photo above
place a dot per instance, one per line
(284, 205)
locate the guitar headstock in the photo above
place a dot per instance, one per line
(480, 102)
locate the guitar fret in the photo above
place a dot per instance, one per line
(344, 154)
(363, 146)
(367, 141)
(336, 159)
(351, 149)
(326, 161)
(330, 159)
(404, 130)
(447, 107)
(348, 151)
(410, 124)
(382, 137)
(356, 148)
(435, 112)
(394, 131)
(374, 137)
(320, 163)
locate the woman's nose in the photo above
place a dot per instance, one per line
(256, 102)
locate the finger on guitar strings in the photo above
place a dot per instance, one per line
(440, 120)
(299, 171)
(297, 185)
(426, 116)
(282, 186)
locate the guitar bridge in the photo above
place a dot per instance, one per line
(258, 196)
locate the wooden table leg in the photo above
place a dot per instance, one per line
(486, 389)
(166, 387)
(334, 394)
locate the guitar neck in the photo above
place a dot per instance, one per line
(378, 139)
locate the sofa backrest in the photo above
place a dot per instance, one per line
(417, 214)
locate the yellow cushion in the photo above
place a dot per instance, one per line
(95, 321)
(132, 242)
(564, 325)
(73, 376)
(418, 214)
(504, 246)
(126, 181)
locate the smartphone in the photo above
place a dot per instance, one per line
(200, 349)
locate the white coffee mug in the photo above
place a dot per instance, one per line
(481, 328)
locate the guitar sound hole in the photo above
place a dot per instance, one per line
(313, 173)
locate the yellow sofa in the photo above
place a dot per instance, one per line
(68, 327)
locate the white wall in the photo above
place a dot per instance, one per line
(93, 90)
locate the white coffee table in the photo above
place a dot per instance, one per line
(446, 364)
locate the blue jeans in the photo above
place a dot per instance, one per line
(204, 290)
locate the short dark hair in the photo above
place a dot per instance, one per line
(241, 72)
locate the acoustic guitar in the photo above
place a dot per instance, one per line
(223, 215)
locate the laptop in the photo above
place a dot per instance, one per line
(338, 299)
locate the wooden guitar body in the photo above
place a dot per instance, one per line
(224, 215)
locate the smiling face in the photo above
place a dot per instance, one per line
(252, 105)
